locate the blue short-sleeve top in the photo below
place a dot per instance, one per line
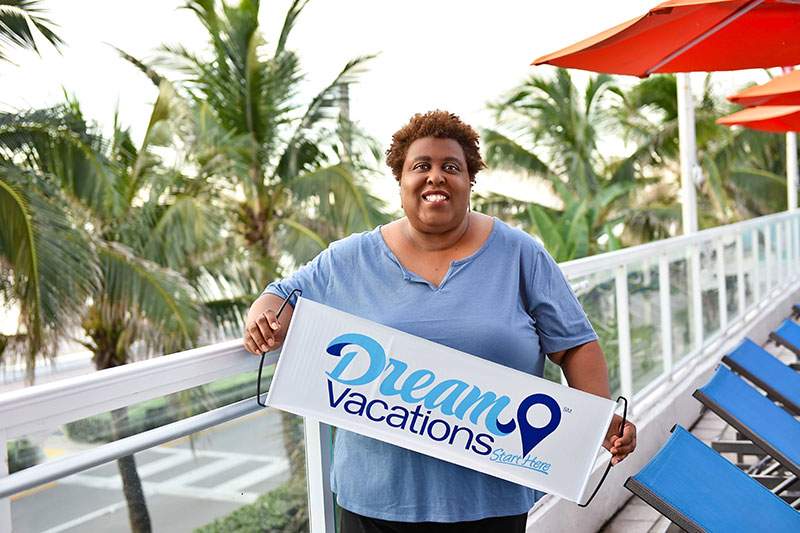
(508, 302)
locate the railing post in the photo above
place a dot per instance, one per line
(722, 289)
(796, 243)
(5, 503)
(665, 312)
(696, 296)
(755, 250)
(318, 469)
(786, 250)
(740, 288)
(770, 277)
(778, 253)
(624, 332)
(792, 246)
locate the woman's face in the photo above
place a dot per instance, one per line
(435, 185)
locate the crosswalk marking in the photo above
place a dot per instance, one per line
(255, 476)
(174, 458)
(220, 465)
(231, 490)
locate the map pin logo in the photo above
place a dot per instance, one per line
(532, 435)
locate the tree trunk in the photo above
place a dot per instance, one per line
(292, 433)
(138, 515)
(107, 354)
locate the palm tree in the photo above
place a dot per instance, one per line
(143, 222)
(48, 263)
(295, 170)
(291, 174)
(550, 132)
(743, 169)
(36, 237)
(18, 18)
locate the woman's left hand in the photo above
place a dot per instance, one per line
(620, 447)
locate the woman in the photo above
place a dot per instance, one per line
(455, 277)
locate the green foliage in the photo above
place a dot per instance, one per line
(17, 20)
(49, 262)
(283, 510)
(548, 131)
(22, 454)
(92, 429)
(165, 410)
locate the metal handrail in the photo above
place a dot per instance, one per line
(72, 464)
(610, 260)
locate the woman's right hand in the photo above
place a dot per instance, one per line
(263, 333)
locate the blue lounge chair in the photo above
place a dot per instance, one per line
(781, 383)
(768, 426)
(788, 335)
(699, 490)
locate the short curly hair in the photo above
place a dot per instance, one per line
(439, 124)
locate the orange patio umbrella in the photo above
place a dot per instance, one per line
(779, 118)
(692, 35)
(780, 91)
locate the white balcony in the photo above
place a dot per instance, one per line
(665, 312)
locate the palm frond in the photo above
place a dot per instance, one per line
(325, 105)
(340, 199)
(51, 262)
(546, 228)
(58, 142)
(288, 24)
(503, 153)
(19, 20)
(159, 296)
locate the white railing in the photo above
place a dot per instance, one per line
(760, 257)
(757, 258)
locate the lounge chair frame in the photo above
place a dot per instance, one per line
(748, 433)
(780, 341)
(773, 394)
(671, 513)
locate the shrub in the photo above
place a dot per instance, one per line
(92, 429)
(156, 413)
(283, 510)
(22, 454)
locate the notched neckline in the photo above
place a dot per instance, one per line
(410, 275)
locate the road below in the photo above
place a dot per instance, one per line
(187, 483)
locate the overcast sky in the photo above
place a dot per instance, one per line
(454, 55)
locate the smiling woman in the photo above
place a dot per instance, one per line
(459, 278)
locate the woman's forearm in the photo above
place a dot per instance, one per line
(585, 368)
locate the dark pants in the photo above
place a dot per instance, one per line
(355, 523)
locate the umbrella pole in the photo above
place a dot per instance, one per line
(791, 170)
(688, 153)
(688, 157)
(791, 164)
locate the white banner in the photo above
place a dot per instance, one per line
(380, 382)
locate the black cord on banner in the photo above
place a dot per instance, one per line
(608, 468)
(264, 354)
